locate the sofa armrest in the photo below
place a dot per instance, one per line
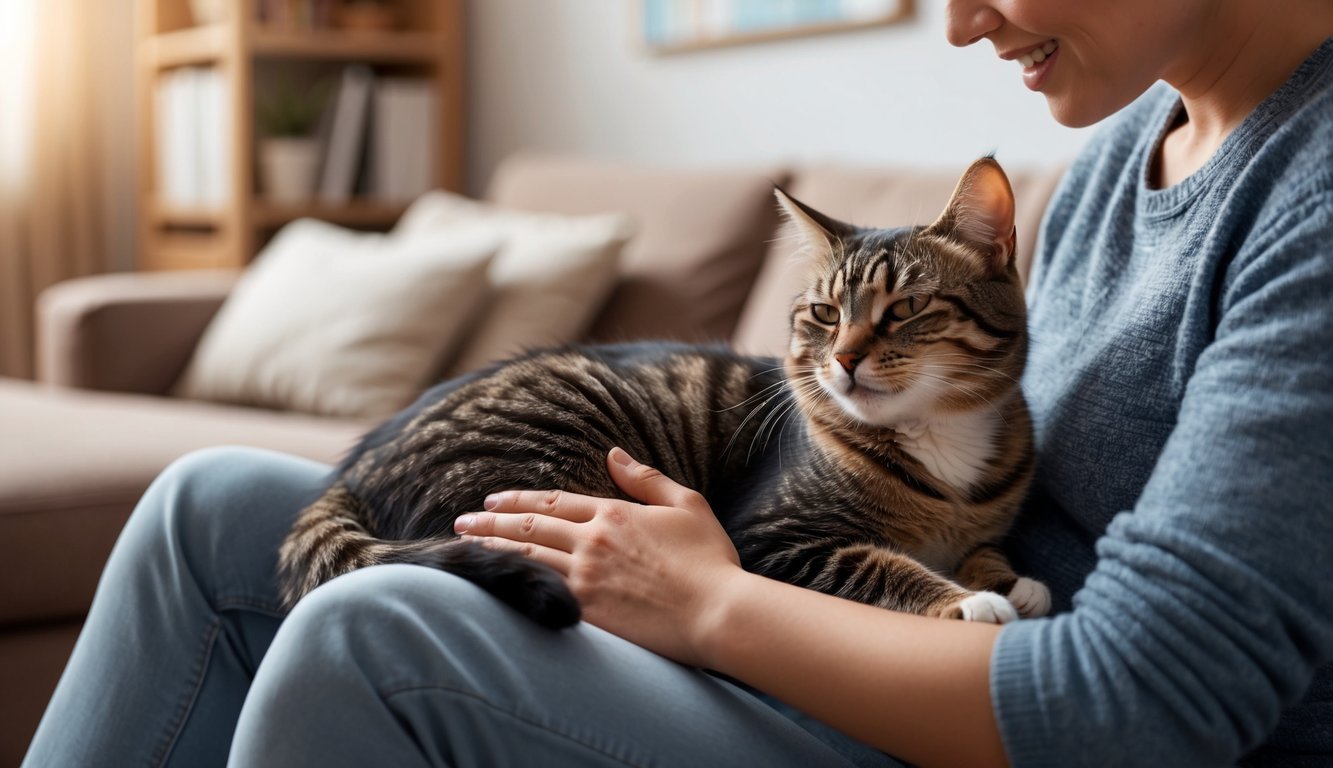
(125, 332)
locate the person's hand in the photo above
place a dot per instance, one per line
(645, 571)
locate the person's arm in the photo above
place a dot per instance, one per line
(665, 576)
(1210, 607)
(913, 686)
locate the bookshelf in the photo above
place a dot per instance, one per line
(247, 52)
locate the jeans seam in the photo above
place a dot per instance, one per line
(256, 604)
(198, 672)
(514, 715)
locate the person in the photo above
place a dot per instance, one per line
(1180, 380)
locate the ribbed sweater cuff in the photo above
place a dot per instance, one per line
(1015, 693)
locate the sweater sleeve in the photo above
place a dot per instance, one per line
(1210, 606)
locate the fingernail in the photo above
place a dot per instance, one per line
(491, 501)
(619, 456)
(463, 523)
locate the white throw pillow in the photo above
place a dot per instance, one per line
(341, 323)
(549, 280)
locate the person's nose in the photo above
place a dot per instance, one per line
(969, 21)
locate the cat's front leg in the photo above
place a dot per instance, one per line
(986, 568)
(882, 577)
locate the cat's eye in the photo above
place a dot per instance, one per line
(908, 307)
(825, 313)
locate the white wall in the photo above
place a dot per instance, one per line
(569, 76)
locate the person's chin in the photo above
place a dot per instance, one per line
(1075, 107)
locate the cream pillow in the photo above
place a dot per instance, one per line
(341, 323)
(548, 282)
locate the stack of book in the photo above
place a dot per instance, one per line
(377, 138)
(193, 138)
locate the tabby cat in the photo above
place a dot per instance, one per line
(883, 461)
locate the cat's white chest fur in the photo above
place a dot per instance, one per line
(956, 448)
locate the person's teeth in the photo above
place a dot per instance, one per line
(1038, 55)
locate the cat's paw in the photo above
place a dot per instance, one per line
(987, 607)
(1030, 597)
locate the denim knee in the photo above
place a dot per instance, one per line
(191, 495)
(380, 596)
(379, 619)
(217, 516)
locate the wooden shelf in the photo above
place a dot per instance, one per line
(207, 45)
(358, 213)
(249, 57)
(175, 216)
(336, 45)
(179, 250)
(183, 47)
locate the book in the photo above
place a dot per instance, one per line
(345, 146)
(193, 151)
(214, 137)
(402, 152)
(177, 148)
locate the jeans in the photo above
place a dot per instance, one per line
(187, 659)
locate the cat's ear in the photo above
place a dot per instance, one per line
(981, 214)
(820, 233)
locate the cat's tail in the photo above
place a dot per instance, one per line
(329, 540)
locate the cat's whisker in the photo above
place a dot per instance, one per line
(970, 393)
(773, 418)
(970, 362)
(807, 386)
(781, 403)
(735, 435)
(756, 396)
(783, 420)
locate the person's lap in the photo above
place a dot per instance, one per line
(392, 665)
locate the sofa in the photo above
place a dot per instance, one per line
(79, 446)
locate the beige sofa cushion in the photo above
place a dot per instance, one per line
(701, 237)
(883, 198)
(73, 463)
(549, 280)
(341, 323)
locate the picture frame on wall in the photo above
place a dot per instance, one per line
(675, 26)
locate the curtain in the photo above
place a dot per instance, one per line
(52, 198)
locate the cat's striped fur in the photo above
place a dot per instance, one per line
(890, 450)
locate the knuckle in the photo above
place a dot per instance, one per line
(599, 540)
(578, 581)
(551, 499)
(692, 499)
(615, 514)
(527, 524)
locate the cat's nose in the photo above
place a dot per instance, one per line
(849, 360)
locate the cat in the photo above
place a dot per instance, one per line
(883, 461)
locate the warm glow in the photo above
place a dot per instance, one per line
(17, 30)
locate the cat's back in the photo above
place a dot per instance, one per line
(547, 420)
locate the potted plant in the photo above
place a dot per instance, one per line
(289, 150)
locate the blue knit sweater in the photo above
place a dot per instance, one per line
(1181, 383)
